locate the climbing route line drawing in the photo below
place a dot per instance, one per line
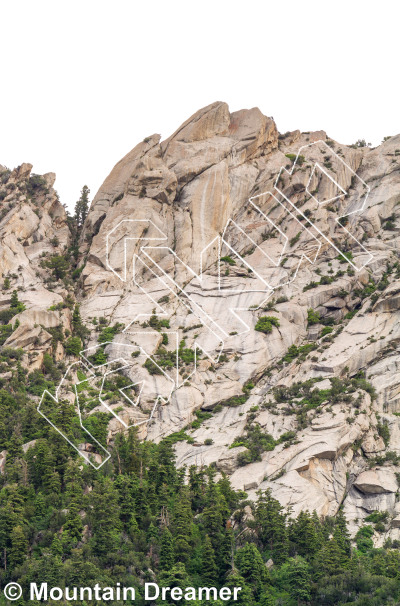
(261, 267)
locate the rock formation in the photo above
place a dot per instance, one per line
(308, 406)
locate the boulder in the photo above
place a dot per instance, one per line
(376, 481)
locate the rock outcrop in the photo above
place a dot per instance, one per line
(308, 407)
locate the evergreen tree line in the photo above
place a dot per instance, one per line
(140, 519)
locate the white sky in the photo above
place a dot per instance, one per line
(82, 82)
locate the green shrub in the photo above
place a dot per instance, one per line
(59, 265)
(152, 368)
(292, 157)
(266, 323)
(202, 416)
(97, 424)
(157, 324)
(99, 357)
(312, 317)
(178, 436)
(108, 333)
(9, 353)
(383, 431)
(300, 352)
(7, 314)
(5, 332)
(37, 383)
(345, 256)
(73, 346)
(296, 238)
(77, 272)
(57, 334)
(36, 183)
(377, 516)
(256, 441)
(228, 260)
(363, 539)
(389, 225)
(235, 401)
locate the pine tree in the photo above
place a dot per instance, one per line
(59, 265)
(77, 570)
(166, 464)
(128, 448)
(176, 576)
(215, 513)
(15, 447)
(152, 533)
(271, 528)
(251, 566)
(209, 570)
(152, 499)
(142, 508)
(167, 559)
(40, 462)
(76, 317)
(40, 507)
(245, 596)
(14, 298)
(21, 372)
(305, 533)
(231, 496)
(319, 528)
(82, 207)
(51, 568)
(52, 483)
(197, 487)
(73, 482)
(330, 558)
(164, 497)
(16, 303)
(124, 485)
(78, 327)
(341, 534)
(266, 599)
(299, 579)
(182, 525)
(3, 435)
(225, 554)
(133, 527)
(56, 546)
(105, 517)
(19, 546)
(73, 526)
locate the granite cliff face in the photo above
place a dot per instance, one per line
(33, 224)
(283, 311)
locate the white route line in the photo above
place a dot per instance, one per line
(129, 365)
(357, 210)
(126, 239)
(56, 400)
(122, 391)
(186, 299)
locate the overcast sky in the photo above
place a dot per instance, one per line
(82, 82)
